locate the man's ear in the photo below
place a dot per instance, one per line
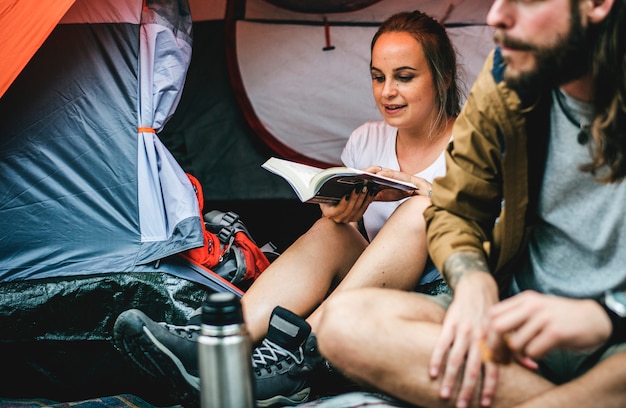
(597, 10)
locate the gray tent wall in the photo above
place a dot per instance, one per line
(88, 186)
(98, 195)
(93, 207)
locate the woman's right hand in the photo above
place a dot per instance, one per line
(351, 207)
(422, 187)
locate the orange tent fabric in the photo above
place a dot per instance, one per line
(24, 26)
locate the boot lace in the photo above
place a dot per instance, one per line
(270, 353)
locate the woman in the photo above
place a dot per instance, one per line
(415, 86)
(414, 83)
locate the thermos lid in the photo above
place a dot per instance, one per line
(221, 309)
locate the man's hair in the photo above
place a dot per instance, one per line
(439, 53)
(608, 69)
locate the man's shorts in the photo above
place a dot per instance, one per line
(560, 366)
(442, 299)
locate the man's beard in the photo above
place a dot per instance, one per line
(568, 59)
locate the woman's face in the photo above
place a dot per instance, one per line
(402, 82)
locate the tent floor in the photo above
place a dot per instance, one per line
(93, 374)
(46, 373)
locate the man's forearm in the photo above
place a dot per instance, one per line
(461, 263)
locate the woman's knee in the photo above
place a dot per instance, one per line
(410, 214)
(415, 205)
(325, 227)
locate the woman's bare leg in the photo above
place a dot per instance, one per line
(396, 257)
(300, 278)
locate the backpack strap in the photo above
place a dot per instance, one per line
(235, 237)
(225, 224)
(209, 254)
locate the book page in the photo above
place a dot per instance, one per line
(302, 171)
(296, 174)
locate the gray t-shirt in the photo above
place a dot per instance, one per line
(578, 248)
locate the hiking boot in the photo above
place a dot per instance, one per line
(164, 351)
(282, 364)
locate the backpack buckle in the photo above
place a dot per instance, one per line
(226, 234)
(229, 218)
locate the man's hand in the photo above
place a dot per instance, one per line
(534, 324)
(457, 354)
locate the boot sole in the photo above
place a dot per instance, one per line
(280, 401)
(139, 345)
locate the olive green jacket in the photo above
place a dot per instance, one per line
(483, 201)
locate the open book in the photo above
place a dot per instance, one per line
(315, 185)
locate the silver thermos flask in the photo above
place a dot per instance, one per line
(224, 352)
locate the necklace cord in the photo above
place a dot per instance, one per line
(583, 135)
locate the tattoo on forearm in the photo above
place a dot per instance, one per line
(461, 263)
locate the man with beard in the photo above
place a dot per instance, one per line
(528, 227)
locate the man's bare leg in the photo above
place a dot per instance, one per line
(385, 338)
(602, 386)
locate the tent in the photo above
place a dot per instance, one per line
(96, 212)
(80, 159)
(106, 104)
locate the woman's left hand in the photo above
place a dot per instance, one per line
(422, 187)
(350, 208)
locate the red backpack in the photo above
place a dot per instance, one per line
(229, 249)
